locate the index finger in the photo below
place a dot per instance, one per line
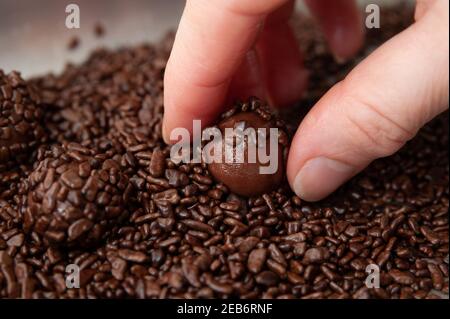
(211, 42)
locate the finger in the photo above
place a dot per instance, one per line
(375, 110)
(283, 74)
(211, 43)
(247, 81)
(422, 7)
(342, 25)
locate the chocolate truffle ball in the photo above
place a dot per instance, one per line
(20, 130)
(75, 196)
(246, 178)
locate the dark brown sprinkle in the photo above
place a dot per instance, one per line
(196, 225)
(267, 278)
(436, 276)
(73, 43)
(16, 240)
(430, 235)
(103, 193)
(157, 163)
(256, 260)
(78, 228)
(248, 244)
(277, 255)
(316, 255)
(118, 268)
(132, 255)
(296, 237)
(99, 30)
(402, 277)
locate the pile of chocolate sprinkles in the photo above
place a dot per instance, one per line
(97, 189)
(20, 129)
(74, 196)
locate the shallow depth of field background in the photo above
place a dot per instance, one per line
(34, 39)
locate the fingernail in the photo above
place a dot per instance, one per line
(165, 135)
(340, 59)
(321, 176)
(340, 45)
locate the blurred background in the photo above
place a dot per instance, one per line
(34, 39)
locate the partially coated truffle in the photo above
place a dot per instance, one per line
(246, 178)
(20, 128)
(75, 196)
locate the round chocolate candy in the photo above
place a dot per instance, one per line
(246, 177)
(20, 129)
(75, 196)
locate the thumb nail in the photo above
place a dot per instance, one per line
(320, 176)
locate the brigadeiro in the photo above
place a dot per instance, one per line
(245, 177)
(20, 116)
(75, 196)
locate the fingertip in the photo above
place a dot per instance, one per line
(247, 80)
(165, 134)
(345, 41)
(187, 103)
(342, 24)
(284, 75)
(289, 89)
(168, 110)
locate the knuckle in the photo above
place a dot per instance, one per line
(378, 134)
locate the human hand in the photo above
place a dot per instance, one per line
(226, 47)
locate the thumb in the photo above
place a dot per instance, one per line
(375, 110)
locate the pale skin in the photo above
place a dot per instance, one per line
(238, 48)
